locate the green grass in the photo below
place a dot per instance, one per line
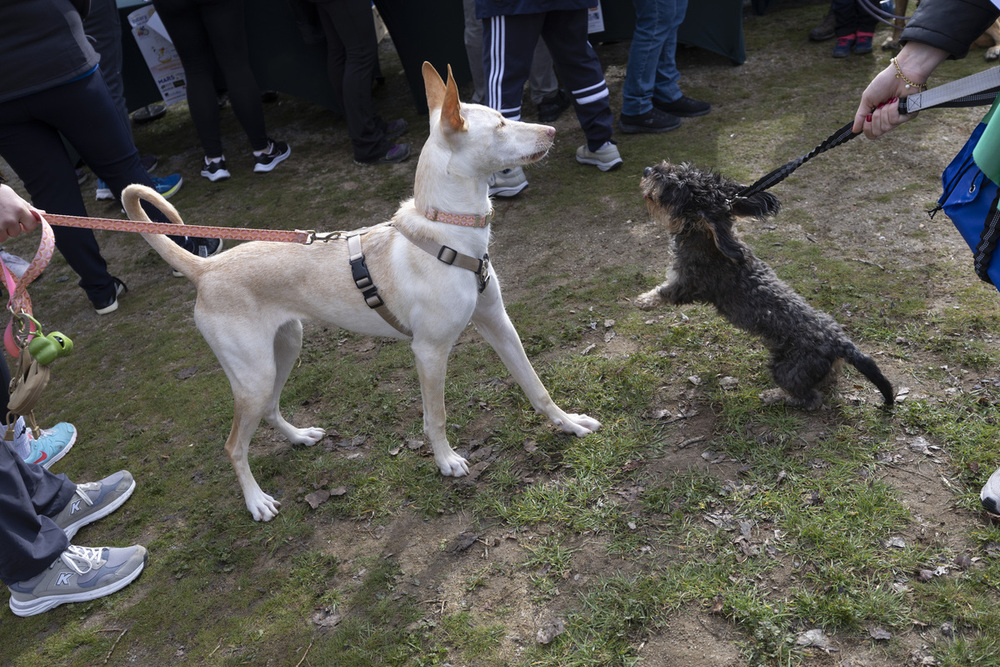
(698, 521)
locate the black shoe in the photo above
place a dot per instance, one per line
(550, 108)
(651, 122)
(201, 247)
(685, 107)
(148, 162)
(110, 305)
(393, 129)
(391, 155)
(825, 30)
(277, 151)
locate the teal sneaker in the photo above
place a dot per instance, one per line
(79, 574)
(168, 185)
(51, 445)
(95, 500)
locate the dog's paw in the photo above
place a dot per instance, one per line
(306, 436)
(262, 506)
(453, 465)
(578, 425)
(649, 300)
(993, 53)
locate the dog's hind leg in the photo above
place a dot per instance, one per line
(432, 364)
(492, 322)
(287, 344)
(799, 375)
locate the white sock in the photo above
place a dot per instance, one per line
(20, 443)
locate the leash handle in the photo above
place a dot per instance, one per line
(19, 303)
(232, 233)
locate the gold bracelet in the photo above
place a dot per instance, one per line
(909, 84)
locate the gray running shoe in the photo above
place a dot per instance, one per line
(95, 500)
(80, 574)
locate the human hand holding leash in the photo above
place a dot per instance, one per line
(16, 215)
(878, 111)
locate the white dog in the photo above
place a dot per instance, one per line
(424, 275)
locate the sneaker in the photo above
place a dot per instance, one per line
(864, 43)
(604, 158)
(168, 185)
(95, 500)
(394, 154)
(16, 265)
(201, 247)
(394, 129)
(277, 151)
(683, 106)
(550, 108)
(103, 192)
(990, 495)
(111, 305)
(51, 444)
(825, 30)
(652, 122)
(215, 170)
(148, 162)
(842, 48)
(79, 574)
(81, 176)
(508, 182)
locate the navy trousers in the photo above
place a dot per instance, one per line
(31, 141)
(29, 495)
(508, 46)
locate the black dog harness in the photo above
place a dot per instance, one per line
(447, 255)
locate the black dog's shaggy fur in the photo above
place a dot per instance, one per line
(712, 265)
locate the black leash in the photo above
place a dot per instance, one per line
(842, 136)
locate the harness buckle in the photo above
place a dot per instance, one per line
(372, 298)
(483, 274)
(359, 271)
(447, 255)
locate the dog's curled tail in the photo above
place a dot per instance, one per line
(173, 254)
(867, 366)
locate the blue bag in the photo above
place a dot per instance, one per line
(970, 197)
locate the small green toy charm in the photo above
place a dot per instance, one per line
(46, 349)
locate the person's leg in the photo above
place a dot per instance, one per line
(647, 55)
(474, 50)
(508, 45)
(37, 154)
(352, 50)
(194, 47)
(671, 14)
(29, 540)
(542, 79)
(565, 33)
(225, 23)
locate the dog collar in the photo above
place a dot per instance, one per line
(464, 219)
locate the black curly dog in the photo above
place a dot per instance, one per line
(711, 265)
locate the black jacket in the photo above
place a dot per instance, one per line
(951, 25)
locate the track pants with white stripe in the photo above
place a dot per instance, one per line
(508, 45)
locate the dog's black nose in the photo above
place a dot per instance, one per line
(647, 171)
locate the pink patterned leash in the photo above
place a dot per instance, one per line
(19, 303)
(234, 233)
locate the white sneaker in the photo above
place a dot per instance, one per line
(508, 182)
(604, 158)
(990, 495)
(78, 575)
(16, 265)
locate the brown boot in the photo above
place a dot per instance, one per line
(824, 30)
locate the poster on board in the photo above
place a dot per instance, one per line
(595, 22)
(158, 51)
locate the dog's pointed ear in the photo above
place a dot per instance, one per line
(433, 86)
(760, 205)
(451, 109)
(722, 233)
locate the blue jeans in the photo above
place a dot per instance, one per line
(652, 69)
